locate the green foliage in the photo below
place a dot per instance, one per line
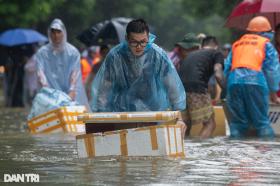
(170, 19)
(20, 13)
(208, 8)
(76, 15)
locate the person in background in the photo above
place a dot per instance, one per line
(31, 85)
(216, 92)
(87, 62)
(200, 37)
(195, 73)
(13, 77)
(58, 64)
(277, 45)
(104, 49)
(226, 49)
(252, 71)
(137, 75)
(182, 49)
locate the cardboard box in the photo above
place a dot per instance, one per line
(63, 119)
(158, 140)
(222, 127)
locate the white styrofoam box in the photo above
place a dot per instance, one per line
(127, 117)
(274, 116)
(158, 140)
(63, 119)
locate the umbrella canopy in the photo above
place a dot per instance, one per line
(247, 9)
(107, 32)
(21, 36)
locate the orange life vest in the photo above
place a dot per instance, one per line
(249, 52)
(85, 68)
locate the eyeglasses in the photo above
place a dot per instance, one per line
(138, 43)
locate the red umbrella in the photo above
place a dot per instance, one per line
(247, 9)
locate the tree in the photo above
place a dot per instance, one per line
(169, 19)
(17, 13)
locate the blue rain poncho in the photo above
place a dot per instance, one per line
(248, 94)
(59, 68)
(145, 83)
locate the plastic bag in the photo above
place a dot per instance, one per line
(48, 99)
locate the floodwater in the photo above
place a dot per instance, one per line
(215, 161)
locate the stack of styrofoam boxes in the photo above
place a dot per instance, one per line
(63, 119)
(158, 140)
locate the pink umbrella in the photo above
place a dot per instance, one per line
(247, 9)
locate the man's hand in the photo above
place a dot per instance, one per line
(72, 95)
(183, 126)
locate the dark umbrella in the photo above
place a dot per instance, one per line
(21, 36)
(247, 9)
(107, 32)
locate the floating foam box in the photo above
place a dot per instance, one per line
(161, 140)
(63, 119)
(129, 117)
(157, 140)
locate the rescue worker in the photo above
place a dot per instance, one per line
(104, 49)
(91, 59)
(253, 72)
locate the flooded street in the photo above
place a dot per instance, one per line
(216, 161)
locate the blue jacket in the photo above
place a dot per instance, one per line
(145, 83)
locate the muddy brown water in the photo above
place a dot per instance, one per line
(215, 161)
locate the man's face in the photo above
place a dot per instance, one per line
(56, 36)
(137, 42)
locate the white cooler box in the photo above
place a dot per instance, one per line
(157, 140)
(63, 119)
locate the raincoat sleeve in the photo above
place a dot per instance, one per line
(76, 73)
(102, 87)
(271, 68)
(40, 70)
(173, 85)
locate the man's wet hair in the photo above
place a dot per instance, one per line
(209, 41)
(137, 26)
